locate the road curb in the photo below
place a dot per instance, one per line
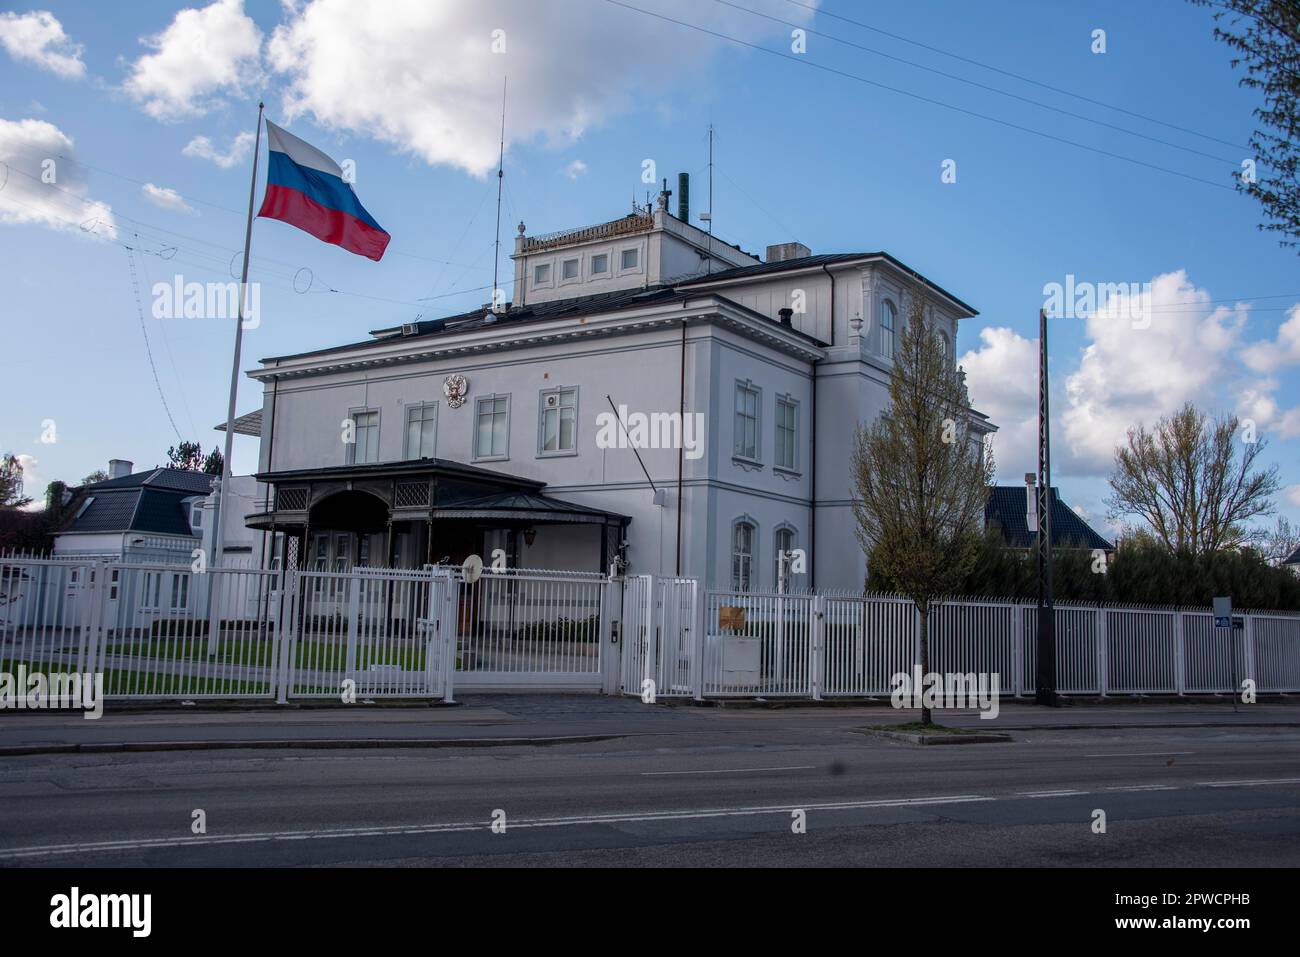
(910, 737)
(318, 744)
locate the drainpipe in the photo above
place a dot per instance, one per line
(681, 448)
(812, 452)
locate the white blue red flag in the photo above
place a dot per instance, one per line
(305, 188)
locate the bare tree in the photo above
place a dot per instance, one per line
(1279, 544)
(922, 476)
(1186, 481)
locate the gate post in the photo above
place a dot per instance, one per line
(611, 655)
(649, 667)
(93, 624)
(354, 612)
(699, 617)
(817, 647)
(287, 625)
(1248, 655)
(1017, 650)
(447, 630)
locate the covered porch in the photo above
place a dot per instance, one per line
(425, 512)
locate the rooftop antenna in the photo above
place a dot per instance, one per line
(710, 213)
(501, 161)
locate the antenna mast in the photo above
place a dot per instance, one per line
(501, 161)
(710, 197)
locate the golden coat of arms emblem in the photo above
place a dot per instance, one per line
(455, 388)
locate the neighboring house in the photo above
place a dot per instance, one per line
(158, 515)
(1293, 562)
(494, 429)
(1012, 509)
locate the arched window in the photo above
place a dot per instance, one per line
(888, 320)
(744, 538)
(945, 346)
(784, 544)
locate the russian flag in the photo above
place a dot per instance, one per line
(305, 188)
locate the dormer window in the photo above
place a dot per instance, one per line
(600, 264)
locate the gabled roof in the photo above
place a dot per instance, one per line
(1294, 559)
(1007, 509)
(149, 501)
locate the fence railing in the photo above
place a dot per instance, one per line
(811, 645)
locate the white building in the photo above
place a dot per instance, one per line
(443, 438)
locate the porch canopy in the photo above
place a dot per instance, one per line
(429, 510)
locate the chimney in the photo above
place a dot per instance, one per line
(784, 251)
(684, 197)
(117, 468)
(785, 312)
(1031, 501)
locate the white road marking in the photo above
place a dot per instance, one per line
(1247, 784)
(1138, 754)
(404, 829)
(1145, 787)
(793, 767)
(1064, 792)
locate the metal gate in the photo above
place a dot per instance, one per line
(661, 651)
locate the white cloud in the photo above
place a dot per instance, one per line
(202, 148)
(33, 484)
(164, 197)
(1292, 494)
(1002, 388)
(423, 76)
(1284, 351)
(203, 54)
(38, 37)
(1130, 375)
(44, 184)
(575, 169)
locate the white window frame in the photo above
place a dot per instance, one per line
(747, 387)
(478, 403)
(577, 271)
(542, 451)
(793, 466)
(592, 271)
(181, 587)
(630, 270)
(742, 578)
(783, 529)
(352, 446)
(422, 408)
(888, 331)
(549, 281)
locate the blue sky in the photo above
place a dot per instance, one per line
(411, 91)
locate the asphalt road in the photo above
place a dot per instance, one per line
(1172, 797)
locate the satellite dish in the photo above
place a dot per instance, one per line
(472, 568)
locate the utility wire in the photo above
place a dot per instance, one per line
(139, 308)
(804, 61)
(1015, 76)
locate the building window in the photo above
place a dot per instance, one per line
(196, 515)
(569, 270)
(747, 404)
(180, 592)
(743, 536)
(150, 590)
(600, 264)
(541, 274)
(559, 421)
(784, 545)
(421, 430)
(787, 433)
(364, 446)
(888, 319)
(631, 258)
(491, 440)
(945, 346)
(113, 582)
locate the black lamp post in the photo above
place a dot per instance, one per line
(1046, 671)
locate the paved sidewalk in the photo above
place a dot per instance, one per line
(510, 720)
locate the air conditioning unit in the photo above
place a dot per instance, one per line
(552, 401)
(409, 328)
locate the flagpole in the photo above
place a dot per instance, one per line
(219, 531)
